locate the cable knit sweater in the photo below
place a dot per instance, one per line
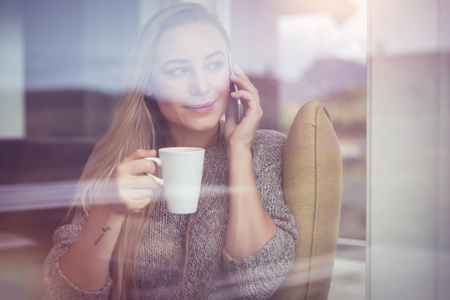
(211, 273)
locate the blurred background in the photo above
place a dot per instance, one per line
(60, 69)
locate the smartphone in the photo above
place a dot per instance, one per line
(236, 105)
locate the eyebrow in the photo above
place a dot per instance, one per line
(211, 55)
(185, 61)
(174, 61)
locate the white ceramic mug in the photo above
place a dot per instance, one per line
(182, 169)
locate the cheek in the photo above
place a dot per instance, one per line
(222, 84)
(225, 80)
(169, 91)
(168, 110)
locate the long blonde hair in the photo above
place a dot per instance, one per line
(138, 123)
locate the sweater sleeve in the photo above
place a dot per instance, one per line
(57, 284)
(259, 276)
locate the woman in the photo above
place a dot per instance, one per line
(122, 243)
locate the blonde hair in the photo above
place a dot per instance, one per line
(138, 123)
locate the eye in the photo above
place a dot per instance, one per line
(178, 72)
(214, 66)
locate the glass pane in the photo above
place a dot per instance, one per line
(322, 57)
(409, 147)
(62, 72)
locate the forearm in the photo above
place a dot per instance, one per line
(249, 227)
(86, 262)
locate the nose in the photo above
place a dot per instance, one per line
(199, 84)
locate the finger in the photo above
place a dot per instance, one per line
(137, 166)
(130, 195)
(139, 154)
(243, 83)
(238, 71)
(249, 98)
(242, 80)
(137, 205)
(142, 195)
(138, 182)
(252, 108)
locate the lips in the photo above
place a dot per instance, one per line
(201, 108)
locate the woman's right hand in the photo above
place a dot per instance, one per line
(130, 189)
(86, 262)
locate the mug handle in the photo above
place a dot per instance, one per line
(158, 162)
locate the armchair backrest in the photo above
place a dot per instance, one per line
(312, 183)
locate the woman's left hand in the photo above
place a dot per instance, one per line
(242, 134)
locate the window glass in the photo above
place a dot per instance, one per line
(62, 63)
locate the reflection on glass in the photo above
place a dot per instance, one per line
(70, 57)
(322, 57)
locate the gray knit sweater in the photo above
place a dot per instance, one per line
(211, 273)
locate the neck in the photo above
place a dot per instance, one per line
(188, 138)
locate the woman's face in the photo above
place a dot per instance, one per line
(190, 76)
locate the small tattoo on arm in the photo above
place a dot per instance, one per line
(104, 230)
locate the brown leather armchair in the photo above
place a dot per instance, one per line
(313, 190)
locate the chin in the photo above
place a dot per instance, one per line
(204, 124)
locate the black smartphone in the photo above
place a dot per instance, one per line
(235, 103)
